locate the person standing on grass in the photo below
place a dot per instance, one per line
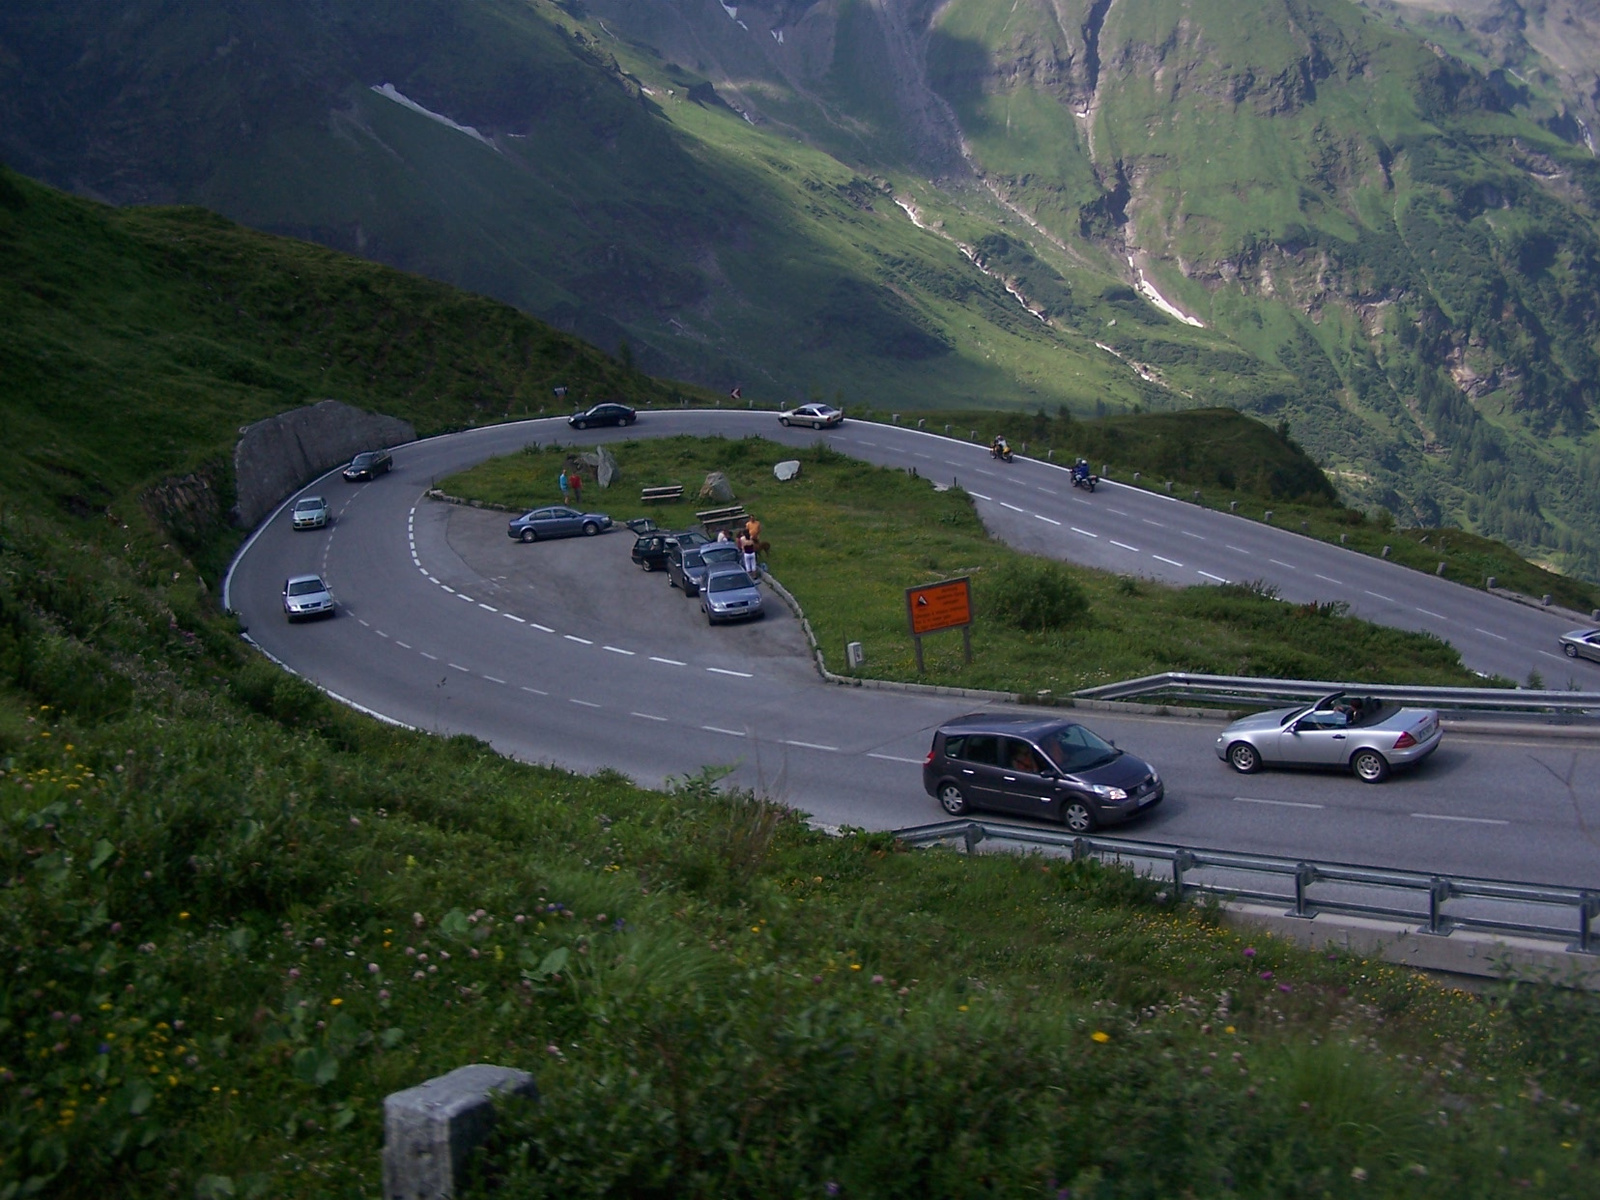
(752, 529)
(747, 550)
(566, 496)
(576, 481)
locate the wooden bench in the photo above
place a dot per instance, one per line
(716, 519)
(667, 491)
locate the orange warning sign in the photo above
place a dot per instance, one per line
(936, 606)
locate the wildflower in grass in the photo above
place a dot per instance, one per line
(1100, 1036)
(372, 968)
(1359, 1174)
(383, 993)
(1266, 974)
(877, 979)
(336, 1001)
(1284, 987)
(1249, 951)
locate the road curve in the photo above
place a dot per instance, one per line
(447, 625)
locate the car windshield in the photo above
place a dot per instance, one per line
(691, 558)
(1073, 748)
(722, 552)
(731, 581)
(363, 460)
(308, 506)
(306, 587)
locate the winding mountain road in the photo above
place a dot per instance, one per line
(563, 652)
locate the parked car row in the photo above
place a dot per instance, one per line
(698, 566)
(1053, 769)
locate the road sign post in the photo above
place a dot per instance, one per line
(934, 607)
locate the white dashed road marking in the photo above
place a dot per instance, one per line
(1236, 549)
(459, 667)
(401, 644)
(380, 633)
(1501, 636)
(487, 607)
(492, 679)
(1436, 616)
(723, 671)
(540, 628)
(586, 703)
(535, 691)
(618, 650)
(1042, 517)
(1462, 820)
(572, 637)
(1168, 561)
(1380, 596)
(670, 662)
(915, 762)
(811, 746)
(429, 657)
(1547, 654)
(718, 729)
(1124, 545)
(1085, 532)
(1148, 521)
(1195, 536)
(977, 495)
(1331, 579)
(513, 617)
(1012, 507)
(1278, 562)
(1277, 803)
(1209, 575)
(647, 716)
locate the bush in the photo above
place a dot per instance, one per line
(1037, 595)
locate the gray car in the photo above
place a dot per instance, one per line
(306, 596)
(556, 521)
(310, 512)
(688, 566)
(1037, 766)
(1370, 737)
(1582, 643)
(728, 594)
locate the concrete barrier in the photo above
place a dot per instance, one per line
(429, 1130)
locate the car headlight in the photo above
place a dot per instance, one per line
(1108, 793)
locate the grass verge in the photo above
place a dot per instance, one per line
(847, 539)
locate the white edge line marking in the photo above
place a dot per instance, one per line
(647, 716)
(978, 496)
(1463, 820)
(1168, 561)
(1501, 636)
(671, 662)
(586, 703)
(1277, 803)
(535, 691)
(810, 745)
(618, 650)
(1329, 579)
(1124, 545)
(718, 729)
(1379, 595)
(513, 617)
(1042, 517)
(492, 679)
(1430, 613)
(1209, 575)
(915, 762)
(459, 667)
(724, 671)
(572, 637)
(541, 628)
(1085, 532)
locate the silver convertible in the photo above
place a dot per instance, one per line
(1370, 737)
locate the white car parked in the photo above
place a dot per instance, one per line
(818, 416)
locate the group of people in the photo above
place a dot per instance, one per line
(748, 539)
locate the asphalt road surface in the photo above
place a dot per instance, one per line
(564, 652)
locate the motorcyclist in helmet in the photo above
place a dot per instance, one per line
(1080, 470)
(1000, 448)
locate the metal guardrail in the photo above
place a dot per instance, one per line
(1226, 688)
(1500, 906)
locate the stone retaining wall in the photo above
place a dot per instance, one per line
(279, 454)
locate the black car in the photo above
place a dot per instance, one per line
(603, 414)
(687, 566)
(1041, 767)
(369, 464)
(652, 548)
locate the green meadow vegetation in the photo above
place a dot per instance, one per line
(847, 539)
(235, 914)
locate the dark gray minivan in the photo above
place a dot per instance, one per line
(1039, 767)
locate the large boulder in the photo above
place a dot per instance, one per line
(717, 487)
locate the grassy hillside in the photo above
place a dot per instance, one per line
(236, 915)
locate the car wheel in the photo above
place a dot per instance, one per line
(629, 420)
(647, 565)
(590, 529)
(1370, 766)
(672, 581)
(1075, 815)
(580, 424)
(784, 421)
(1244, 758)
(528, 535)
(1572, 651)
(951, 799)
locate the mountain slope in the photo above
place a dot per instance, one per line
(1304, 208)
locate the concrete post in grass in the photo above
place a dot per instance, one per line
(429, 1130)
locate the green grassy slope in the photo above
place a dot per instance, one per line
(235, 915)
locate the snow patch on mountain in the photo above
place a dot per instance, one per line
(389, 92)
(1148, 291)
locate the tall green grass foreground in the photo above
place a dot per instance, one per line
(234, 916)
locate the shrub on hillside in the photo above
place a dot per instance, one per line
(1037, 595)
